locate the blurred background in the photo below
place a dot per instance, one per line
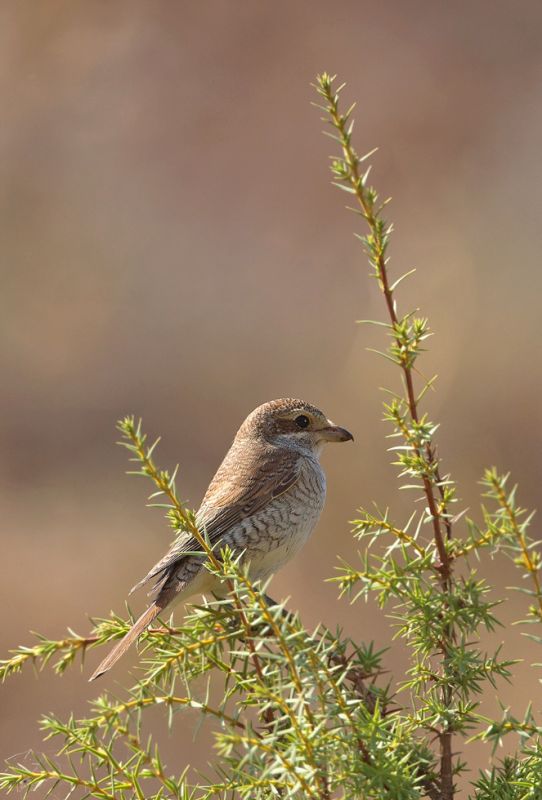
(171, 247)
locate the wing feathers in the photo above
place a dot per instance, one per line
(246, 481)
(242, 487)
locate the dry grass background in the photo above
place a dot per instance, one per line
(171, 247)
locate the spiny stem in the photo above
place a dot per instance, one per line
(280, 639)
(349, 172)
(168, 699)
(367, 208)
(512, 514)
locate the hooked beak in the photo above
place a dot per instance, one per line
(332, 433)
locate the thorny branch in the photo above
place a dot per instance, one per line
(347, 174)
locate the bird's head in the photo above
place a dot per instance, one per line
(293, 424)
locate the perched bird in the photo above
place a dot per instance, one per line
(264, 501)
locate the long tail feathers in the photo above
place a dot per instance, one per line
(137, 628)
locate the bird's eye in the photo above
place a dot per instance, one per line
(302, 421)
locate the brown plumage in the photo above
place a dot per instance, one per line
(137, 628)
(265, 500)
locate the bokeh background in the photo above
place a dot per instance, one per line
(171, 247)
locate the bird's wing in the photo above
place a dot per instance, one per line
(244, 484)
(179, 546)
(241, 489)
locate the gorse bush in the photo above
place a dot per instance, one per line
(310, 714)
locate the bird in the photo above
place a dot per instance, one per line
(263, 502)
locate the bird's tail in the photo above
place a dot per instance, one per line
(137, 628)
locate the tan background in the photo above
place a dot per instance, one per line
(171, 247)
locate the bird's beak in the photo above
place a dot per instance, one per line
(332, 433)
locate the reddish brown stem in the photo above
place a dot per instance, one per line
(431, 480)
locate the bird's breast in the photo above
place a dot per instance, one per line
(273, 535)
